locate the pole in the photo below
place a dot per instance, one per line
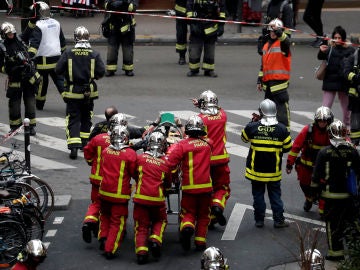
(27, 144)
(240, 14)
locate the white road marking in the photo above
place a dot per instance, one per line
(237, 215)
(58, 220)
(50, 233)
(43, 163)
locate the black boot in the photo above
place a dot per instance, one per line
(155, 250)
(182, 60)
(86, 232)
(73, 153)
(218, 213)
(185, 238)
(142, 258)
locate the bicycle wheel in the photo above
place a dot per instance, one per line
(12, 241)
(45, 192)
(34, 222)
(19, 189)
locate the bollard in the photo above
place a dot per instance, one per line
(239, 15)
(27, 144)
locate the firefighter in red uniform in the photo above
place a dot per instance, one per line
(92, 154)
(117, 165)
(310, 140)
(153, 175)
(215, 119)
(194, 154)
(274, 74)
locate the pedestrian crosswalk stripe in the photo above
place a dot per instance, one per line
(61, 145)
(43, 163)
(43, 140)
(58, 122)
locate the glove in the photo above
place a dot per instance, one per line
(220, 30)
(278, 32)
(289, 168)
(132, 7)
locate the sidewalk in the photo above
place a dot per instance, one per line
(157, 29)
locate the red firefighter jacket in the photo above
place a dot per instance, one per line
(215, 126)
(152, 175)
(194, 155)
(309, 141)
(117, 168)
(275, 65)
(92, 154)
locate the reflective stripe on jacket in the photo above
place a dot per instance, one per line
(275, 65)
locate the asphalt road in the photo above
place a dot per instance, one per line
(161, 85)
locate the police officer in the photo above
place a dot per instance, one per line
(269, 140)
(332, 174)
(203, 34)
(81, 89)
(181, 30)
(47, 42)
(352, 75)
(122, 32)
(23, 79)
(274, 74)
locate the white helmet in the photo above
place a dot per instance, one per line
(34, 249)
(7, 28)
(213, 259)
(209, 103)
(41, 9)
(119, 137)
(267, 110)
(275, 23)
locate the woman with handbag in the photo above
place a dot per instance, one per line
(334, 82)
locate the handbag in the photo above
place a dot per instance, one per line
(320, 71)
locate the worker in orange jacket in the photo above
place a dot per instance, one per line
(117, 165)
(194, 154)
(153, 176)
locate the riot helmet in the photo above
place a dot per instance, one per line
(194, 127)
(41, 9)
(337, 133)
(213, 259)
(157, 144)
(267, 110)
(209, 103)
(324, 114)
(119, 137)
(7, 28)
(34, 252)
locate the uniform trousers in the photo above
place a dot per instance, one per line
(113, 218)
(126, 41)
(281, 101)
(338, 214)
(312, 16)
(274, 193)
(196, 46)
(44, 84)
(78, 121)
(195, 213)
(181, 36)
(148, 219)
(92, 214)
(220, 175)
(14, 106)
